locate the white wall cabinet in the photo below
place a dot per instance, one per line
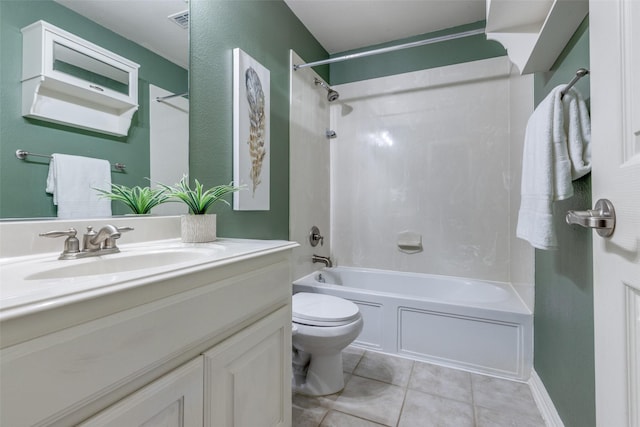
(248, 376)
(68, 80)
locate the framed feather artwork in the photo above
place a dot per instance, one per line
(251, 147)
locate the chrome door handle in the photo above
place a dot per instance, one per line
(602, 217)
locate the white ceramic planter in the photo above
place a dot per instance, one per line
(198, 228)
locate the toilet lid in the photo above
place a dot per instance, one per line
(323, 310)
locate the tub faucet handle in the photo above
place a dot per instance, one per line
(315, 237)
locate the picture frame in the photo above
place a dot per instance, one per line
(251, 133)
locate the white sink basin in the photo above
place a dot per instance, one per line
(118, 263)
(29, 284)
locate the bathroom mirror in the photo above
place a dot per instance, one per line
(152, 33)
(82, 66)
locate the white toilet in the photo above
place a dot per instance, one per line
(323, 325)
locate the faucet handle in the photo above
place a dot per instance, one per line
(315, 237)
(123, 229)
(71, 232)
(71, 244)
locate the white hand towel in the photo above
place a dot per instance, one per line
(72, 180)
(556, 151)
(578, 128)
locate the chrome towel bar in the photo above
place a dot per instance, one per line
(22, 154)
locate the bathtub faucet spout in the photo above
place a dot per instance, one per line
(323, 259)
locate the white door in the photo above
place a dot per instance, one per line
(615, 113)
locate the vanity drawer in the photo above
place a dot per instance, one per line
(48, 379)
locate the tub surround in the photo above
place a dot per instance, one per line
(184, 328)
(435, 151)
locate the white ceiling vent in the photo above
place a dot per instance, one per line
(180, 18)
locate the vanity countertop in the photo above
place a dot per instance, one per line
(34, 283)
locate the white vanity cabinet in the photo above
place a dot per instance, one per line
(207, 344)
(248, 376)
(246, 383)
(175, 400)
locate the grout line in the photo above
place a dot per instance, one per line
(435, 394)
(323, 418)
(473, 401)
(359, 361)
(404, 398)
(358, 417)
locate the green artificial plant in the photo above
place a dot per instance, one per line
(197, 199)
(139, 199)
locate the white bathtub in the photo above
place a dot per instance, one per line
(474, 325)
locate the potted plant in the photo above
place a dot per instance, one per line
(139, 199)
(198, 226)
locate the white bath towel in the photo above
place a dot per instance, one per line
(72, 180)
(556, 151)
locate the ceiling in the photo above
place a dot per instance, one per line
(339, 25)
(142, 21)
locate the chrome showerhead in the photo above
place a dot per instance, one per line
(332, 95)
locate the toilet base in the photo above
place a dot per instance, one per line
(324, 376)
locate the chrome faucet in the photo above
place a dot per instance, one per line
(93, 244)
(93, 241)
(322, 259)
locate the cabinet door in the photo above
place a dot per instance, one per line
(248, 376)
(174, 400)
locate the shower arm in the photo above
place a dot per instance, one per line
(319, 82)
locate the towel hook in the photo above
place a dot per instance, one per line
(580, 73)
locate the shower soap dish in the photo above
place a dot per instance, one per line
(409, 242)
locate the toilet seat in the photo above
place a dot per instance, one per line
(323, 310)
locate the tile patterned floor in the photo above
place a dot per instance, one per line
(383, 390)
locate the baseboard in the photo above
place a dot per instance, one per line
(544, 402)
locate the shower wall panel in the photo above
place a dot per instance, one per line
(309, 167)
(431, 152)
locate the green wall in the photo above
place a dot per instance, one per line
(266, 31)
(563, 319)
(451, 52)
(22, 183)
